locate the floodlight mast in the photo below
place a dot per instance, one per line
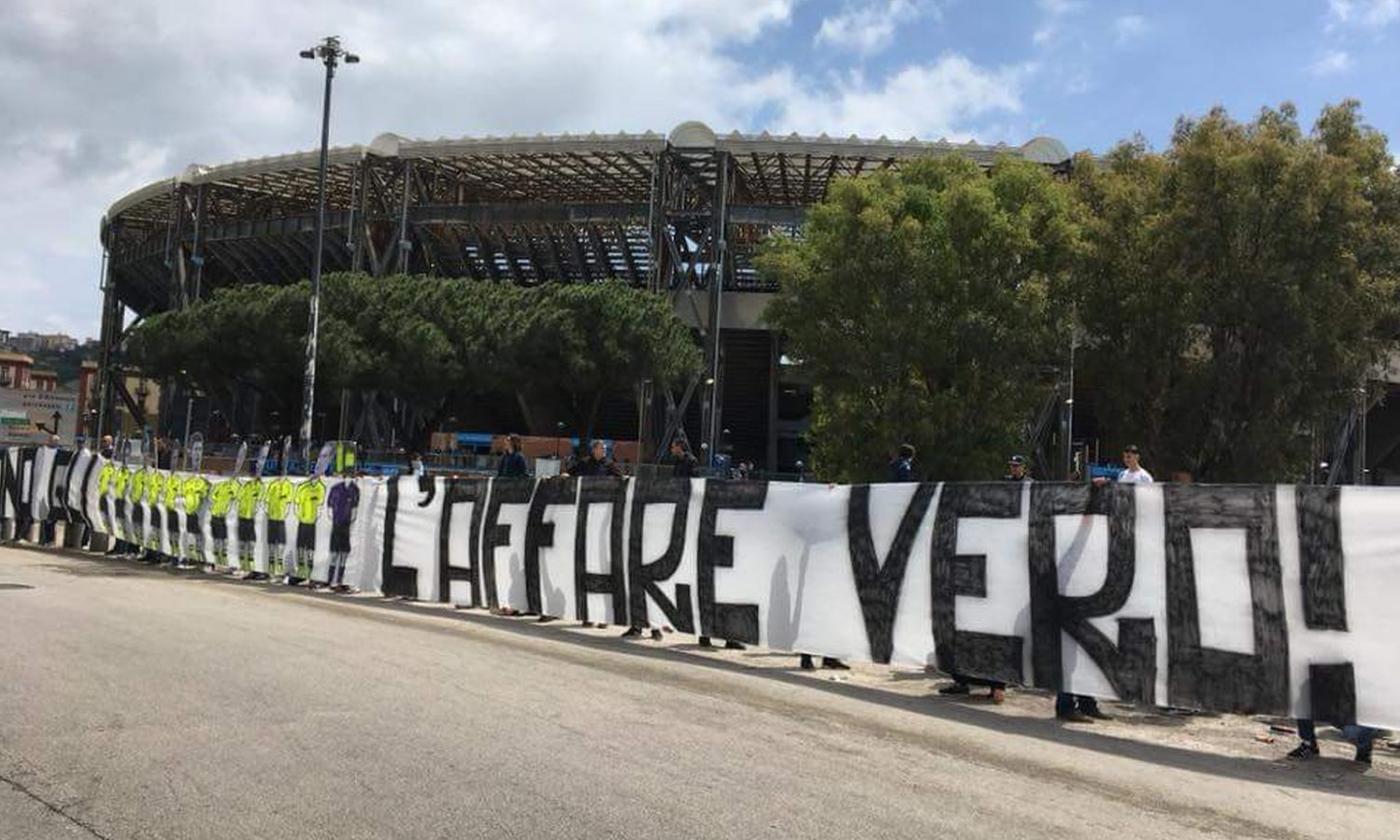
(330, 52)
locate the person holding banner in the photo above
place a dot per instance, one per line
(1362, 736)
(962, 683)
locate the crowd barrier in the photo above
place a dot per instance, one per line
(1241, 598)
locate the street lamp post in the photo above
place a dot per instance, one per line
(330, 53)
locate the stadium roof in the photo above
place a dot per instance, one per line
(771, 169)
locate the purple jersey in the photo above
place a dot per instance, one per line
(343, 499)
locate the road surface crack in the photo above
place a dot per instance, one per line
(19, 786)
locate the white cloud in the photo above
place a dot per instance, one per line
(1331, 63)
(100, 98)
(1129, 28)
(925, 100)
(1372, 14)
(868, 28)
(1053, 15)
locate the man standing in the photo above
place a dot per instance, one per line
(996, 690)
(513, 462)
(597, 463)
(683, 464)
(1132, 473)
(902, 467)
(1081, 708)
(1361, 736)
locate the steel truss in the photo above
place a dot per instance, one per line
(682, 217)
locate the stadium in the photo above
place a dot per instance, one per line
(680, 214)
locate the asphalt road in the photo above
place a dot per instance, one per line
(136, 703)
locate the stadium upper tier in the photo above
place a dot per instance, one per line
(522, 209)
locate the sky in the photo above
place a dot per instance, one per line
(98, 98)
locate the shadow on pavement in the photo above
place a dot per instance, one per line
(1341, 777)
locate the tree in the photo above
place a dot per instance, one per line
(1236, 290)
(926, 307)
(429, 342)
(578, 343)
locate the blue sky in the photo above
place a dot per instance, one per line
(98, 98)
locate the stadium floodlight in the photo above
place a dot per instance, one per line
(330, 53)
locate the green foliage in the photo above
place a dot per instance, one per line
(1236, 289)
(425, 340)
(926, 307)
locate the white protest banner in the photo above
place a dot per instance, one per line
(1246, 598)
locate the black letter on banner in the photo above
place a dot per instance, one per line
(1320, 557)
(5, 480)
(959, 651)
(601, 490)
(504, 491)
(737, 622)
(58, 485)
(1333, 693)
(88, 475)
(878, 584)
(1323, 573)
(1131, 667)
(540, 534)
(21, 475)
(642, 577)
(1206, 678)
(460, 491)
(396, 580)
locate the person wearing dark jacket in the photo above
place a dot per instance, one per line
(513, 463)
(683, 464)
(597, 463)
(902, 467)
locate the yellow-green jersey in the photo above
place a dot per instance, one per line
(137, 486)
(196, 488)
(250, 493)
(120, 481)
(279, 496)
(173, 488)
(105, 476)
(155, 488)
(309, 497)
(221, 499)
